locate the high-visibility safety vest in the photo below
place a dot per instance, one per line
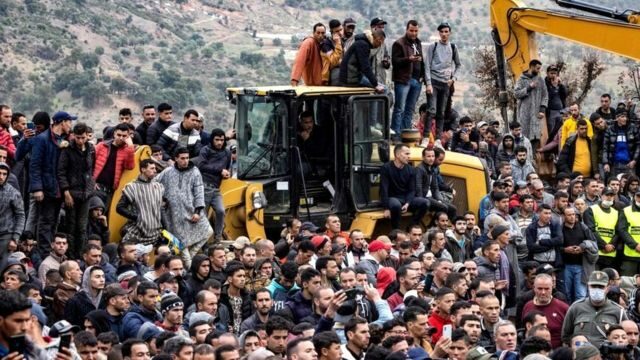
(633, 218)
(605, 225)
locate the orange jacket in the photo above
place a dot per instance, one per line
(308, 63)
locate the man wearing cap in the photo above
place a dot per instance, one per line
(592, 316)
(557, 95)
(441, 67)
(554, 309)
(620, 150)
(408, 75)
(43, 180)
(531, 93)
(630, 222)
(331, 53)
(308, 62)
(12, 215)
(349, 27)
(604, 222)
(576, 153)
(378, 252)
(380, 57)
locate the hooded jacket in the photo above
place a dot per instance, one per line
(502, 154)
(356, 64)
(94, 226)
(194, 281)
(83, 302)
(100, 321)
(134, 319)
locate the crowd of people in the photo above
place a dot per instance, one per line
(542, 271)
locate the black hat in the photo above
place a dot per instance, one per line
(622, 112)
(349, 22)
(170, 301)
(444, 25)
(377, 21)
(608, 191)
(498, 230)
(546, 269)
(308, 225)
(594, 116)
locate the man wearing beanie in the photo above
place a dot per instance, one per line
(172, 310)
(587, 352)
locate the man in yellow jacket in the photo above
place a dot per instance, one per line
(569, 127)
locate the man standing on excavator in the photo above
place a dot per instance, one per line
(532, 95)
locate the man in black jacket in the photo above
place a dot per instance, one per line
(75, 166)
(165, 119)
(355, 69)
(427, 186)
(398, 190)
(576, 153)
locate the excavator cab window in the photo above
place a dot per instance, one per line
(261, 132)
(370, 149)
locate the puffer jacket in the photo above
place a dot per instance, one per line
(43, 166)
(124, 160)
(134, 319)
(74, 171)
(171, 138)
(156, 129)
(486, 269)
(356, 64)
(609, 146)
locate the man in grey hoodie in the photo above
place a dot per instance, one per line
(441, 66)
(11, 213)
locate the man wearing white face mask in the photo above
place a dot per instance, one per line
(630, 220)
(594, 315)
(603, 221)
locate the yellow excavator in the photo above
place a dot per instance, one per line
(514, 26)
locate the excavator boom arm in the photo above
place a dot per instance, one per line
(517, 25)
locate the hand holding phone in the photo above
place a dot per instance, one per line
(446, 331)
(18, 344)
(65, 341)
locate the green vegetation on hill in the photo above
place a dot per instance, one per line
(94, 56)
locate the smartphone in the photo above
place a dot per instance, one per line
(446, 331)
(31, 126)
(18, 344)
(65, 341)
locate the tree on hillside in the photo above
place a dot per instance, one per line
(629, 81)
(579, 80)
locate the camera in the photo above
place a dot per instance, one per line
(608, 348)
(353, 292)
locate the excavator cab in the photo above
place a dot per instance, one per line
(283, 174)
(335, 171)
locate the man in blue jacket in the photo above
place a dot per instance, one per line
(43, 184)
(143, 312)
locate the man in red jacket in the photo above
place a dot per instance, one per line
(5, 134)
(444, 298)
(113, 157)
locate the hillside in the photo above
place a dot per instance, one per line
(92, 57)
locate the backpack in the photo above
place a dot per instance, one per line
(454, 51)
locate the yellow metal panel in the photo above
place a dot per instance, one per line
(303, 90)
(254, 217)
(517, 26)
(117, 221)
